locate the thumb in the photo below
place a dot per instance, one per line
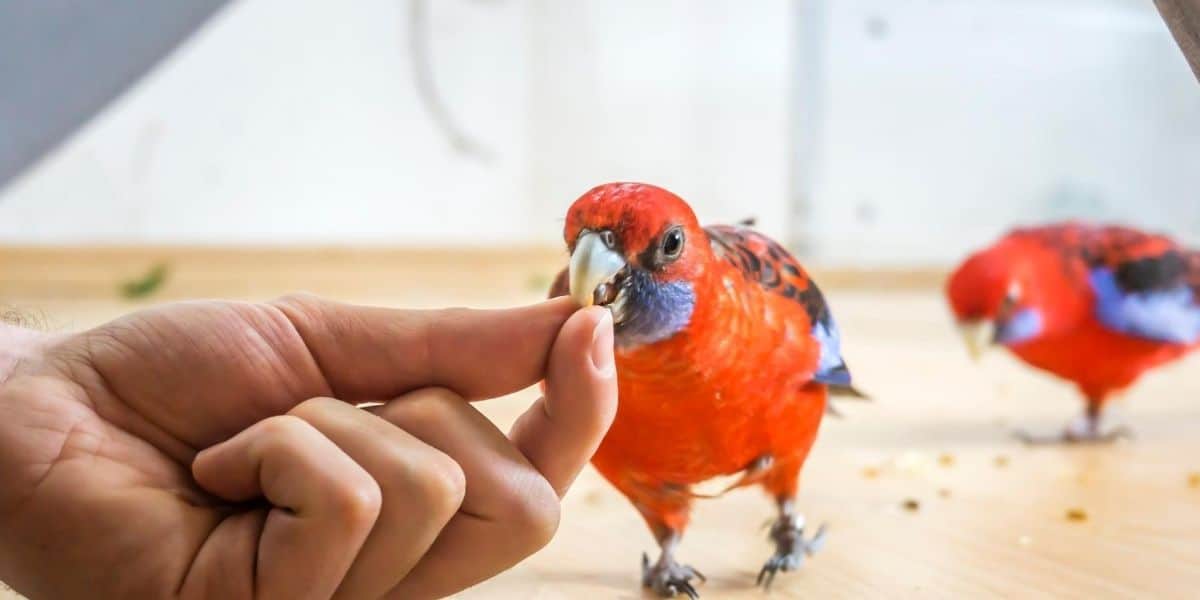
(562, 430)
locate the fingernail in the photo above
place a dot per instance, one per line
(602, 346)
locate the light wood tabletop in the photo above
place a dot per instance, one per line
(924, 491)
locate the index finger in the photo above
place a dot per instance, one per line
(370, 353)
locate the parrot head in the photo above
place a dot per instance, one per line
(1014, 292)
(638, 250)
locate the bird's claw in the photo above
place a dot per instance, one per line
(1072, 435)
(1096, 436)
(790, 550)
(668, 578)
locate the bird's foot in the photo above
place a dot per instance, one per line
(668, 578)
(790, 549)
(1076, 434)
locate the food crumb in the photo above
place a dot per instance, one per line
(911, 505)
(1194, 479)
(1001, 461)
(870, 472)
(944, 492)
(946, 459)
(1076, 514)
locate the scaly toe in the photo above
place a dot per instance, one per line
(669, 579)
(790, 550)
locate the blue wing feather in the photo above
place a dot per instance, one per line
(1169, 314)
(831, 369)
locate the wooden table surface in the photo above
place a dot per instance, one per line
(985, 516)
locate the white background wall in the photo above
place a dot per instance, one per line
(944, 122)
(865, 131)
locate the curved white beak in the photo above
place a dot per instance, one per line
(978, 336)
(592, 265)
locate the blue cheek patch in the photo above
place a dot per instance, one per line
(655, 311)
(1023, 325)
(1168, 315)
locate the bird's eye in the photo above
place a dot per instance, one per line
(608, 238)
(672, 244)
(1014, 290)
(1011, 297)
(1013, 294)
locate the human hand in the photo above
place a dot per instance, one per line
(197, 449)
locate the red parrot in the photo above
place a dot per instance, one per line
(725, 350)
(1095, 305)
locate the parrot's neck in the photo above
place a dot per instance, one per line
(655, 311)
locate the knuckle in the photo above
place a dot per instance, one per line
(430, 404)
(531, 509)
(352, 497)
(432, 477)
(283, 428)
(300, 308)
(357, 500)
(440, 481)
(313, 406)
(440, 395)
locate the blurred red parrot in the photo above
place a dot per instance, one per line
(1096, 305)
(725, 352)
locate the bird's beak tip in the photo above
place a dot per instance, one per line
(977, 336)
(592, 264)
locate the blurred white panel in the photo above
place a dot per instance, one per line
(298, 122)
(689, 95)
(947, 121)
